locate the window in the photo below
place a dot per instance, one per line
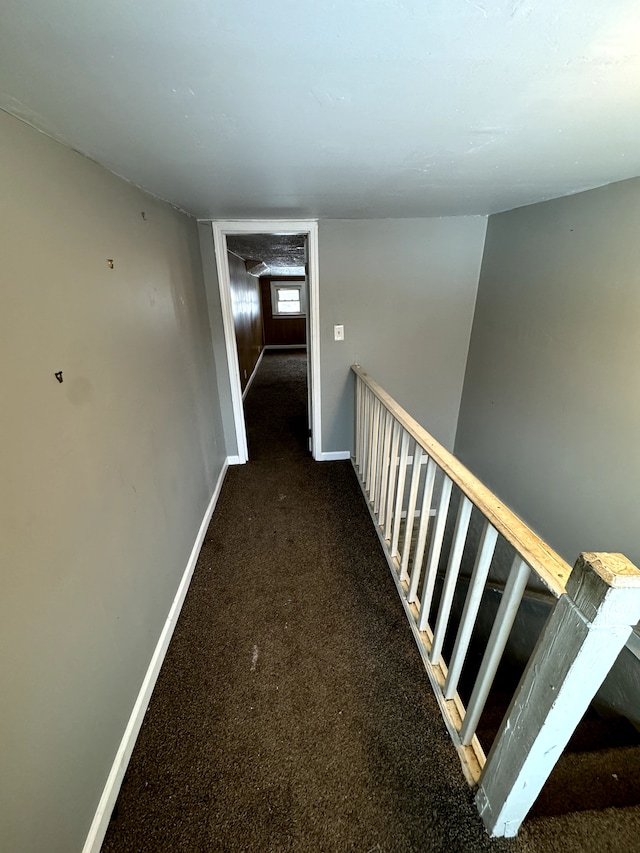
(287, 299)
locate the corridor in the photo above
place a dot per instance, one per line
(292, 712)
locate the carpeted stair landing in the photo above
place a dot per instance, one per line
(292, 712)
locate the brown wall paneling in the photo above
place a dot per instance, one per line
(280, 331)
(247, 316)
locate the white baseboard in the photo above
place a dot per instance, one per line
(333, 455)
(114, 781)
(253, 374)
(284, 346)
(234, 460)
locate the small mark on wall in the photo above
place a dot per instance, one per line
(110, 263)
(58, 376)
(143, 215)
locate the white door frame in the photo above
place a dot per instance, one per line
(309, 228)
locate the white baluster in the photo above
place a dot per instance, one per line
(393, 479)
(411, 509)
(368, 432)
(388, 429)
(505, 617)
(359, 423)
(372, 440)
(402, 473)
(451, 577)
(471, 606)
(377, 489)
(425, 515)
(375, 426)
(435, 548)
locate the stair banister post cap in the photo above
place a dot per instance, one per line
(606, 589)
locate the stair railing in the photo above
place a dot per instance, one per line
(407, 478)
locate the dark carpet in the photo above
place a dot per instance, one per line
(292, 711)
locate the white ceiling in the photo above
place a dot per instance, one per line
(334, 108)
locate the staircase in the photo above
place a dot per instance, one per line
(449, 542)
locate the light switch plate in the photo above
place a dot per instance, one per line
(338, 333)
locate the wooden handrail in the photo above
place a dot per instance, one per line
(598, 603)
(547, 564)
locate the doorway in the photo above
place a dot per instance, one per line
(276, 229)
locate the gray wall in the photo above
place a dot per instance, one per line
(405, 291)
(105, 477)
(550, 414)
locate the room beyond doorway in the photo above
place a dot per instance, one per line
(268, 295)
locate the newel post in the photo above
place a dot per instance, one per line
(579, 644)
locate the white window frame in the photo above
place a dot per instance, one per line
(283, 284)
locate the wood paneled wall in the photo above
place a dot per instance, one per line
(280, 331)
(247, 316)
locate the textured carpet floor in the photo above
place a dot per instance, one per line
(292, 712)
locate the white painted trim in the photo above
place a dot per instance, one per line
(253, 375)
(102, 816)
(224, 283)
(235, 460)
(313, 279)
(270, 226)
(333, 455)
